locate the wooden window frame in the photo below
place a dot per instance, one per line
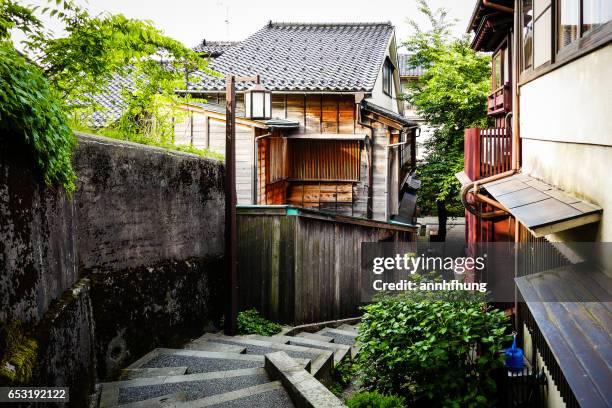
(587, 42)
(387, 78)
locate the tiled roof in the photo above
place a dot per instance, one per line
(306, 57)
(111, 101)
(214, 49)
(405, 69)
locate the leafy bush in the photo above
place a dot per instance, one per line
(436, 350)
(342, 375)
(251, 322)
(375, 400)
(30, 112)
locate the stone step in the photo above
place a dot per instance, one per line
(130, 374)
(322, 361)
(314, 336)
(195, 386)
(339, 336)
(340, 350)
(165, 401)
(205, 345)
(304, 389)
(342, 337)
(269, 395)
(348, 328)
(197, 361)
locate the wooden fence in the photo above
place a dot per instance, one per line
(302, 266)
(487, 152)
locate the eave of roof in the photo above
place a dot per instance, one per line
(539, 206)
(389, 114)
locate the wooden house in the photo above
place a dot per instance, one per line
(540, 179)
(335, 139)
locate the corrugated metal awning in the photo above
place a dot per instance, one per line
(539, 206)
(572, 308)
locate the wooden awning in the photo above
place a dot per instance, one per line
(539, 206)
(571, 307)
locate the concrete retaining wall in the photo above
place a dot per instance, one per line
(132, 260)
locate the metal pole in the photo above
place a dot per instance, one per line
(231, 314)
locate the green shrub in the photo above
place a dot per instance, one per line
(436, 350)
(375, 400)
(251, 322)
(342, 375)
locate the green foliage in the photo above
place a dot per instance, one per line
(69, 71)
(438, 350)
(342, 375)
(31, 112)
(375, 400)
(18, 354)
(251, 322)
(119, 134)
(451, 96)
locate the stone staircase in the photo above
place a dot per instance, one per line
(284, 370)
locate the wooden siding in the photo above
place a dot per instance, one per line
(324, 160)
(380, 174)
(304, 268)
(205, 132)
(318, 113)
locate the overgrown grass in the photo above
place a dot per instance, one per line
(251, 322)
(146, 140)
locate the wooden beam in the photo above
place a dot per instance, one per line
(386, 121)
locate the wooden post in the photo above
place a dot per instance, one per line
(231, 315)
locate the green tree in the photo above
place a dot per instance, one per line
(63, 75)
(451, 96)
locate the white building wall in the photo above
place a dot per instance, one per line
(566, 135)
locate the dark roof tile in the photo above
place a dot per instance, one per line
(330, 57)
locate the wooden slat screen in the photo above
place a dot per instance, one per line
(277, 160)
(325, 160)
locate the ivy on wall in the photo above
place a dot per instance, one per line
(31, 112)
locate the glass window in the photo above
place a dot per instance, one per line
(595, 13)
(387, 78)
(542, 42)
(569, 21)
(527, 33)
(497, 71)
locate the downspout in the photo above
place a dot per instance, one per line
(474, 186)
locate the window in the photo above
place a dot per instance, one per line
(569, 21)
(387, 78)
(527, 34)
(595, 13)
(561, 24)
(497, 77)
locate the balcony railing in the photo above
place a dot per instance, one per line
(500, 100)
(487, 152)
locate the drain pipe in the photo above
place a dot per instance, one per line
(473, 187)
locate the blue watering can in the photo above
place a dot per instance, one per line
(514, 356)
